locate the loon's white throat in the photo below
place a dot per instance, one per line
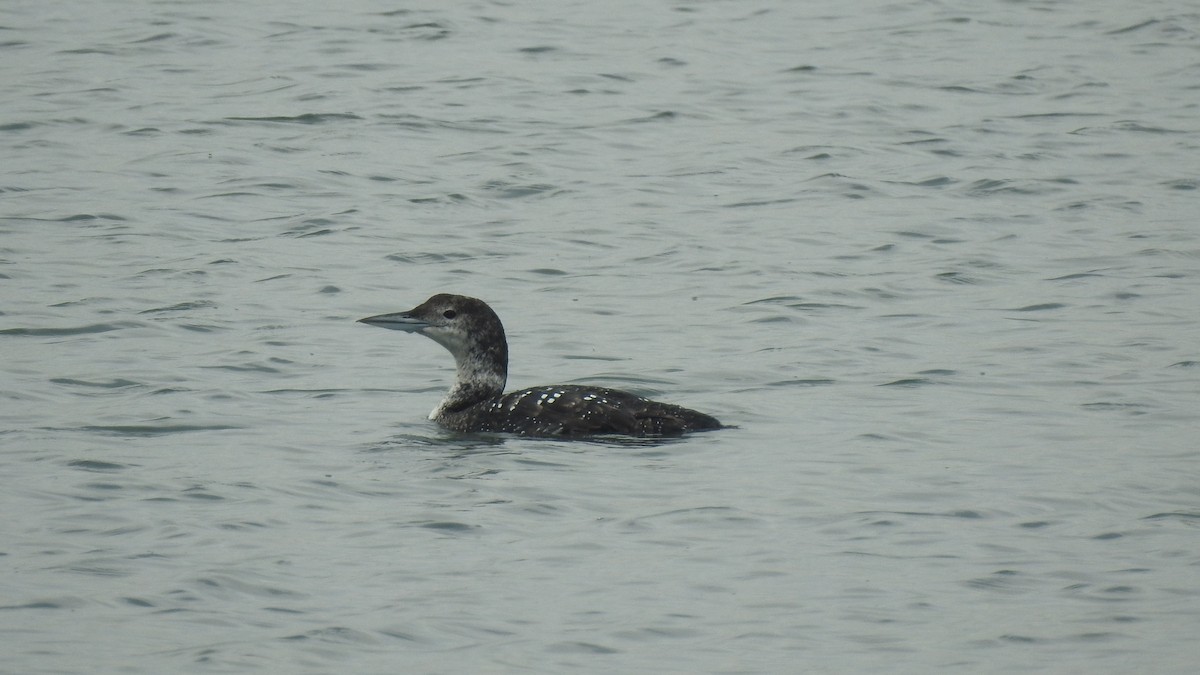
(476, 402)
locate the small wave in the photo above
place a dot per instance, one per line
(67, 331)
(153, 430)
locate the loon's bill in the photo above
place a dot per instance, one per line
(476, 402)
(404, 321)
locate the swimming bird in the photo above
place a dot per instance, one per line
(476, 402)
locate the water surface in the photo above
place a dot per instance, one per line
(938, 262)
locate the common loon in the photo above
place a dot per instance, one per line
(472, 332)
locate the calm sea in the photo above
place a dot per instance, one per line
(939, 261)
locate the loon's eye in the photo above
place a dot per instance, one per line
(449, 314)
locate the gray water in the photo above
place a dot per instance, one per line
(938, 261)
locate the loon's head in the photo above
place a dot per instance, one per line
(467, 327)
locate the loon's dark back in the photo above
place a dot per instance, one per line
(577, 411)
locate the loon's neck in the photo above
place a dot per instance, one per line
(481, 372)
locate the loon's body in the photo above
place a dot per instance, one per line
(472, 332)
